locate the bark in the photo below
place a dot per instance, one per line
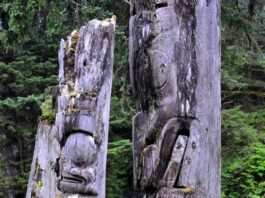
(70, 156)
(11, 155)
(251, 7)
(175, 77)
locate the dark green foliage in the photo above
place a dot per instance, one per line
(119, 169)
(23, 78)
(243, 83)
(243, 138)
(120, 118)
(240, 129)
(28, 66)
(245, 175)
(243, 63)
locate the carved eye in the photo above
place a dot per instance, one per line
(162, 67)
(79, 163)
(85, 63)
(161, 4)
(161, 76)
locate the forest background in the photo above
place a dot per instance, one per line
(30, 32)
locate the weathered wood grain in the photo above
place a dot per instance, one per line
(76, 146)
(175, 77)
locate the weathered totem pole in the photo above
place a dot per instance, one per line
(175, 77)
(70, 157)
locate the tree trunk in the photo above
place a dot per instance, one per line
(251, 7)
(70, 157)
(11, 156)
(175, 77)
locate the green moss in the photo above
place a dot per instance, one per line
(48, 112)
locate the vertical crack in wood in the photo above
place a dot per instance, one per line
(82, 118)
(72, 153)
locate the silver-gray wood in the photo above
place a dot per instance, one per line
(175, 77)
(70, 156)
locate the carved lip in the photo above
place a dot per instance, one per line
(77, 188)
(76, 184)
(74, 179)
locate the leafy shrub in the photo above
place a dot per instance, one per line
(245, 176)
(119, 169)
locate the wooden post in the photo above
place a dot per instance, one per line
(70, 157)
(175, 77)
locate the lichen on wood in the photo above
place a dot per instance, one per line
(175, 77)
(72, 153)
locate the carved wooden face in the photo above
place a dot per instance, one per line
(78, 164)
(82, 110)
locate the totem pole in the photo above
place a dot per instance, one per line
(81, 124)
(175, 77)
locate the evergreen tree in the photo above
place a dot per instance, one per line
(30, 31)
(30, 34)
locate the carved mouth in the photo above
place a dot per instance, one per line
(70, 178)
(76, 184)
